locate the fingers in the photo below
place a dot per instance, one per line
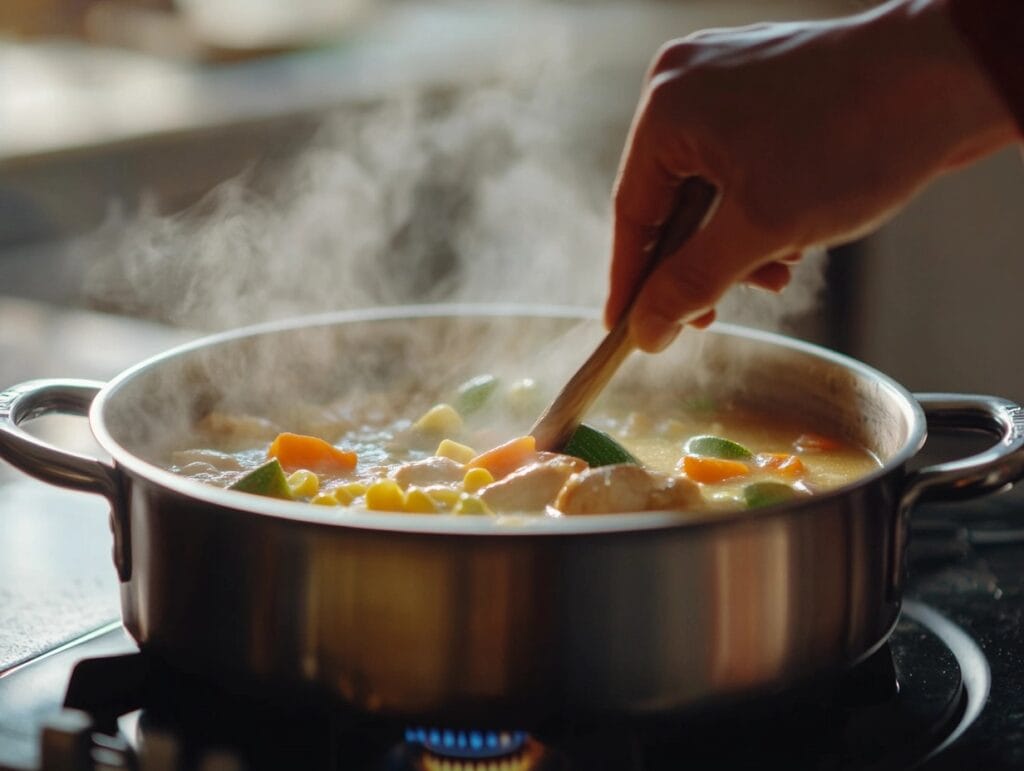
(644, 196)
(705, 321)
(774, 276)
(681, 289)
(685, 287)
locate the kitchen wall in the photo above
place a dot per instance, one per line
(938, 295)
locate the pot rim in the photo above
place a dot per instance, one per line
(502, 524)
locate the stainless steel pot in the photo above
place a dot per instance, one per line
(520, 619)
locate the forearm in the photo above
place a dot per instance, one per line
(994, 31)
(945, 92)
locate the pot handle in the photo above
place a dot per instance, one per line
(60, 467)
(996, 468)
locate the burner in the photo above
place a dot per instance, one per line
(905, 704)
(444, 749)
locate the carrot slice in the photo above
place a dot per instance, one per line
(816, 443)
(710, 470)
(295, 451)
(507, 457)
(782, 463)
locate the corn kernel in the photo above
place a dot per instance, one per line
(385, 495)
(476, 478)
(303, 483)
(325, 499)
(471, 504)
(417, 501)
(440, 419)
(354, 489)
(443, 497)
(455, 451)
(343, 496)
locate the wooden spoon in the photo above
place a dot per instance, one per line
(561, 418)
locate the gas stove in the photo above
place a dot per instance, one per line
(945, 692)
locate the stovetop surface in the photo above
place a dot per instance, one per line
(958, 656)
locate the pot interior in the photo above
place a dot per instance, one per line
(414, 359)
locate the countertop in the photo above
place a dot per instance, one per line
(57, 580)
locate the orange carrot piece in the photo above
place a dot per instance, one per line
(782, 463)
(295, 451)
(707, 470)
(507, 457)
(816, 443)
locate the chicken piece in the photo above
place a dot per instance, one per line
(532, 487)
(578, 464)
(429, 471)
(625, 488)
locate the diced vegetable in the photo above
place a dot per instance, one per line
(325, 499)
(474, 394)
(781, 463)
(268, 479)
(717, 447)
(597, 448)
(767, 494)
(418, 501)
(304, 483)
(298, 451)
(816, 443)
(455, 451)
(343, 494)
(507, 457)
(708, 471)
(441, 419)
(471, 504)
(444, 497)
(476, 478)
(351, 489)
(385, 495)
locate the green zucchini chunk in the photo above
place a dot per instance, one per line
(597, 448)
(717, 447)
(268, 479)
(767, 494)
(474, 394)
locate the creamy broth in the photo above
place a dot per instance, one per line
(675, 456)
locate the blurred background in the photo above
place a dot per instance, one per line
(173, 166)
(169, 167)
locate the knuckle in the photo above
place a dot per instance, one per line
(671, 56)
(661, 95)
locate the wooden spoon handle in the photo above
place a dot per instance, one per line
(557, 423)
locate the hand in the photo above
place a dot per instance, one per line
(813, 133)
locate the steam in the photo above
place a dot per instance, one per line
(493, 196)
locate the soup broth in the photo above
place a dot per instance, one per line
(453, 457)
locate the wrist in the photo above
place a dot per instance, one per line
(955, 100)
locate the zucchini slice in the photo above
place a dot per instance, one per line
(268, 479)
(474, 394)
(767, 494)
(717, 447)
(597, 448)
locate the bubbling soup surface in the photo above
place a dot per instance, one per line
(633, 454)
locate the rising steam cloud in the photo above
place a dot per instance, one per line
(493, 196)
